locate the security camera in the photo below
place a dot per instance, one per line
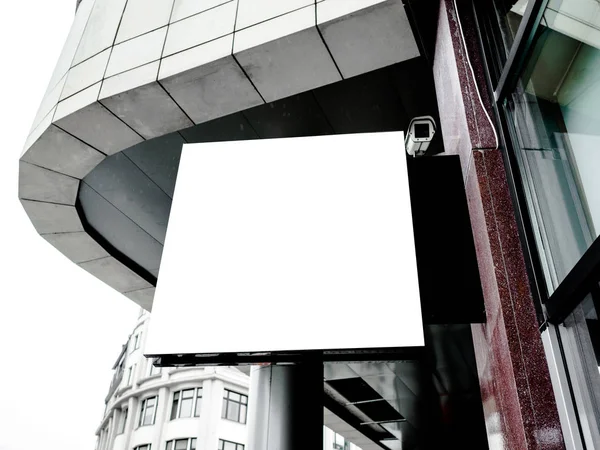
(419, 135)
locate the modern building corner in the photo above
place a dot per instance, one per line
(503, 191)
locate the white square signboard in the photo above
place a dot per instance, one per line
(289, 244)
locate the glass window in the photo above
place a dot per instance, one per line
(185, 402)
(198, 402)
(175, 406)
(142, 447)
(182, 444)
(153, 369)
(510, 13)
(228, 445)
(148, 411)
(234, 406)
(499, 21)
(556, 125)
(122, 421)
(580, 336)
(130, 375)
(338, 441)
(554, 121)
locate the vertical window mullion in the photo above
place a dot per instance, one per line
(179, 404)
(522, 43)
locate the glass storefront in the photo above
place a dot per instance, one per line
(556, 118)
(543, 64)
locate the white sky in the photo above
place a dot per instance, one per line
(60, 328)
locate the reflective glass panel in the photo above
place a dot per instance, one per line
(510, 13)
(198, 404)
(186, 405)
(580, 335)
(556, 123)
(233, 411)
(175, 405)
(181, 444)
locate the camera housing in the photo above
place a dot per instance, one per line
(419, 135)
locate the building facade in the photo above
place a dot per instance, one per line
(190, 408)
(513, 86)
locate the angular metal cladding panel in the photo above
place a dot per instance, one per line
(77, 246)
(374, 35)
(98, 127)
(133, 193)
(63, 153)
(52, 217)
(212, 90)
(100, 30)
(142, 297)
(285, 56)
(37, 183)
(149, 110)
(115, 274)
(119, 231)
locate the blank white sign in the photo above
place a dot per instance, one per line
(289, 244)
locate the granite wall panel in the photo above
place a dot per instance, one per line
(518, 399)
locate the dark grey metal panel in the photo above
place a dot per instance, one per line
(159, 159)
(229, 128)
(365, 104)
(126, 187)
(118, 230)
(298, 115)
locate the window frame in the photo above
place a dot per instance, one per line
(585, 275)
(152, 369)
(221, 444)
(131, 374)
(143, 447)
(227, 400)
(137, 341)
(189, 446)
(554, 308)
(123, 416)
(336, 445)
(196, 399)
(143, 409)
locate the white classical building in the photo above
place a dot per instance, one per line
(184, 408)
(172, 408)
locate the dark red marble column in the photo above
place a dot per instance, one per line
(518, 399)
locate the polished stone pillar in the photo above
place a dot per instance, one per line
(286, 407)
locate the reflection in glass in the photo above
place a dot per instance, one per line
(187, 399)
(556, 120)
(510, 13)
(580, 335)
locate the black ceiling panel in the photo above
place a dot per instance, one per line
(158, 159)
(364, 104)
(380, 411)
(119, 232)
(295, 116)
(354, 389)
(234, 127)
